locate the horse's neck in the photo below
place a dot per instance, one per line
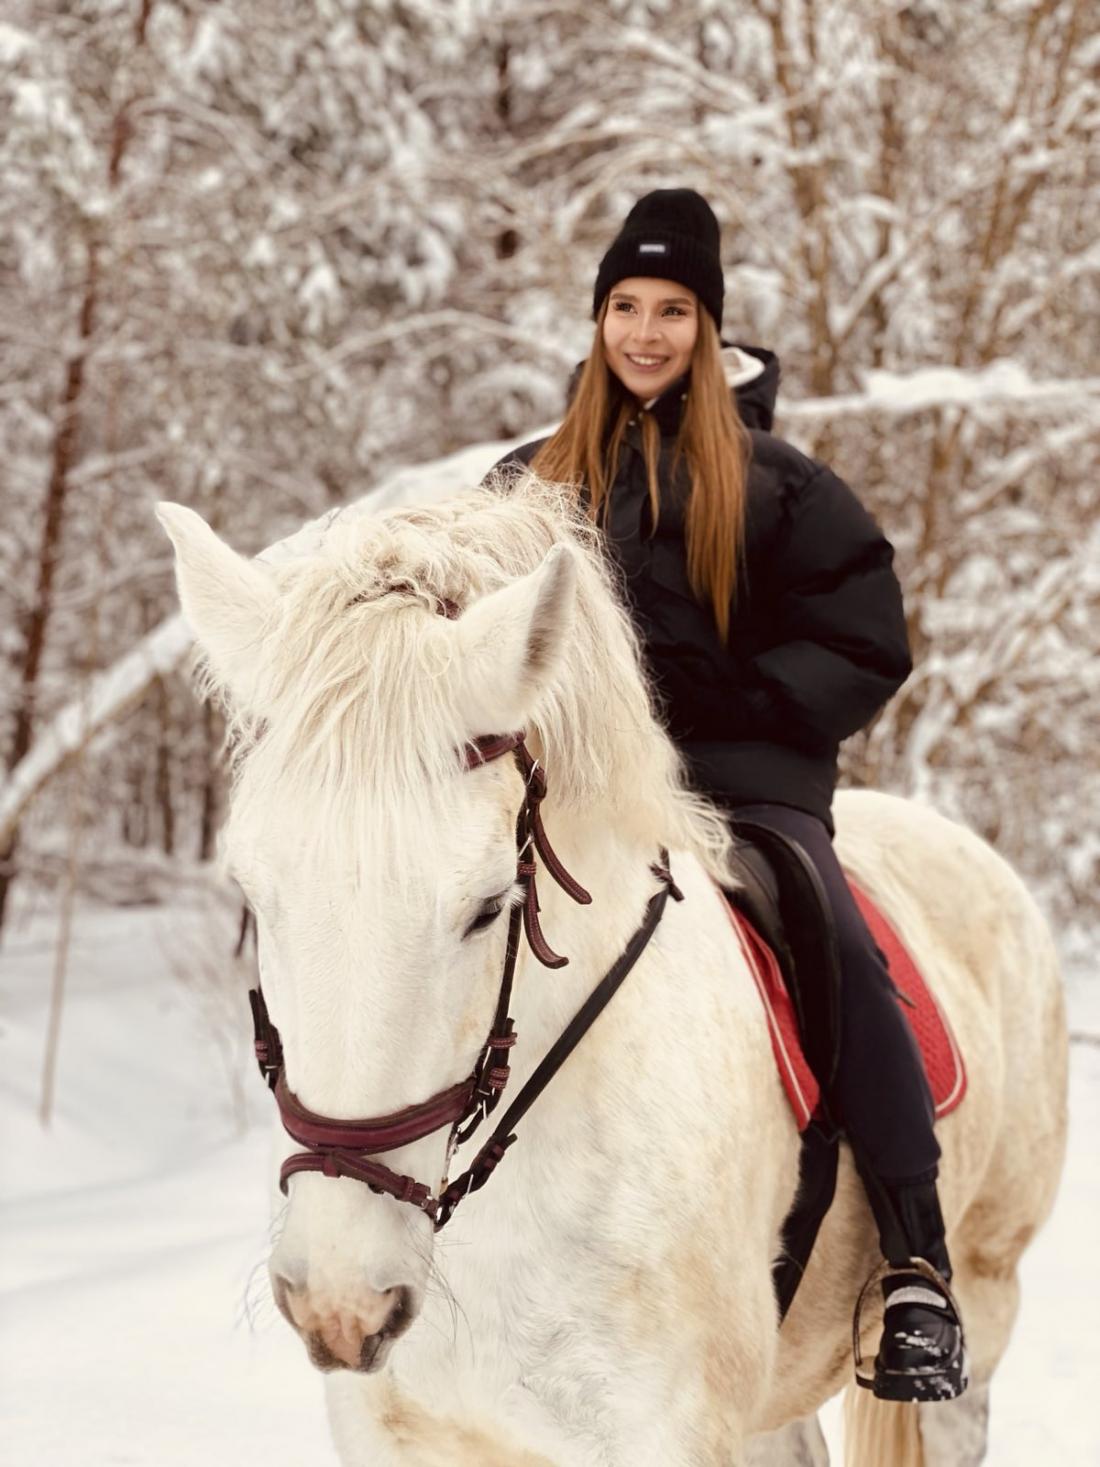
(671, 1096)
(691, 993)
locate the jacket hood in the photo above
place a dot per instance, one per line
(753, 375)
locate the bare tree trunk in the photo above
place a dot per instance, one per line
(699, 110)
(38, 616)
(805, 131)
(211, 789)
(61, 951)
(135, 821)
(891, 148)
(1012, 197)
(932, 552)
(507, 239)
(63, 455)
(164, 771)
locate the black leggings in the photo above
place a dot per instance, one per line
(881, 1090)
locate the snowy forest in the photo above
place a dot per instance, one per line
(257, 258)
(270, 257)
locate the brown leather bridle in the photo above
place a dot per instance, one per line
(340, 1148)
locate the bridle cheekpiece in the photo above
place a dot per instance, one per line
(340, 1148)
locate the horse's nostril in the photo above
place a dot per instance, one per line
(401, 1314)
(396, 1323)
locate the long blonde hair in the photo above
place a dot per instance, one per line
(711, 439)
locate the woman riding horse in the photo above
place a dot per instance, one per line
(772, 623)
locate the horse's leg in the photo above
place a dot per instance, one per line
(986, 1253)
(798, 1444)
(953, 1433)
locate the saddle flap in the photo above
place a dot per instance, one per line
(783, 896)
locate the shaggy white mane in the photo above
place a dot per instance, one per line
(358, 706)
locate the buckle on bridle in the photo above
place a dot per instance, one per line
(269, 1067)
(536, 781)
(266, 1042)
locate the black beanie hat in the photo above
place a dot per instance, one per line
(670, 234)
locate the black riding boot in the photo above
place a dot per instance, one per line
(922, 1356)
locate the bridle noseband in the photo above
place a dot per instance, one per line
(348, 1148)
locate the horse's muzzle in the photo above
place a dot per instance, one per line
(352, 1334)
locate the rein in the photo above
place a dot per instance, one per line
(339, 1148)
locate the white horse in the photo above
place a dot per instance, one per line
(606, 1300)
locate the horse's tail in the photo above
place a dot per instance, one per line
(880, 1433)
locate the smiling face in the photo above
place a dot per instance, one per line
(649, 333)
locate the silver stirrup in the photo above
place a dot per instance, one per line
(884, 1271)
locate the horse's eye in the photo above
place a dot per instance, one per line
(490, 911)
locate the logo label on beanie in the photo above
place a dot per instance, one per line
(653, 249)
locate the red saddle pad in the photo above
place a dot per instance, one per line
(943, 1063)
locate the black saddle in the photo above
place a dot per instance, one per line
(783, 897)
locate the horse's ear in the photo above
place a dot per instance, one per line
(227, 599)
(511, 642)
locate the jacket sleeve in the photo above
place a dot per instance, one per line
(840, 647)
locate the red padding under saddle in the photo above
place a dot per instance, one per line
(943, 1063)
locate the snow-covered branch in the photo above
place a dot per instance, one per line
(928, 387)
(108, 696)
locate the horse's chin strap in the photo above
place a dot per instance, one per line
(339, 1148)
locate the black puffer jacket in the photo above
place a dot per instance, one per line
(817, 637)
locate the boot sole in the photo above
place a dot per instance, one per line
(922, 1386)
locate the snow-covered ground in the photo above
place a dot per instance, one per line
(135, 1323)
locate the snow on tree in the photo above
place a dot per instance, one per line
(257, 258)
